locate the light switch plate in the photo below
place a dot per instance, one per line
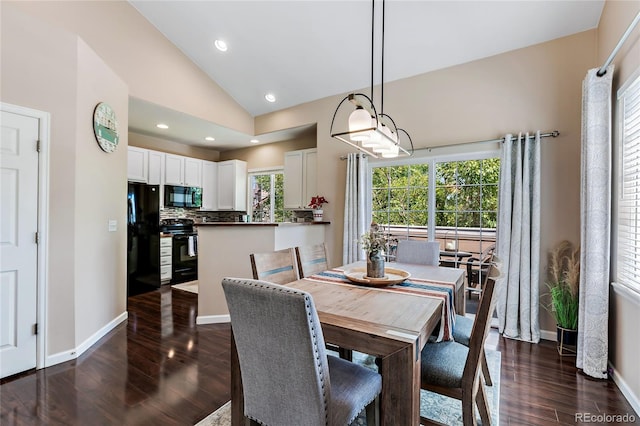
(113, 225)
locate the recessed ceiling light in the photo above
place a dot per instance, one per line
(162, 126)
(270, 97)
(210, 138)
(221, 45)
(255, 141)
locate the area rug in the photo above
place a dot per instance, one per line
(437, 407)
(191, 286)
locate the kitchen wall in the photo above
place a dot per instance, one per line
(624, 345)
(271, 154)
(164, 145)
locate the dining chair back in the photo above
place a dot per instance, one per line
(418, 252)
(312, 259)
(287, 377)
(477, 270)
(453, 369)
(277, 266)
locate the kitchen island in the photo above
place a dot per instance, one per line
(224, 249)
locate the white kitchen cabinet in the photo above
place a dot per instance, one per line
(174, 170)
(156, 167)
(166, 247)
(209, 185)
(192, 172)
(137, 159)
(232, 185)
(182, 171)
(300, 176)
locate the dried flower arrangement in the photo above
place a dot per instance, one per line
(564, 284)
(374, 240)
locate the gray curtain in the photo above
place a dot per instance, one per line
(593, 314)
(355, 211)
(518, 238)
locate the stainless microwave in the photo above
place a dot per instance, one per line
(182, 196)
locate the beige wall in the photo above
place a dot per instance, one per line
(101, 191)
(624, 345)
(154, 69)
(538, 87)
(49, 69)
(271, 154)
(164, 145)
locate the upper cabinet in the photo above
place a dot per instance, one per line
(209, 185)
(300, 175)
(156, 167)
(232, 185)
(182, 171)
(137, 160)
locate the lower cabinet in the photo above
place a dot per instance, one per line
(166, 244)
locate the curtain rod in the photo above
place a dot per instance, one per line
(603, 69)
(551, 134)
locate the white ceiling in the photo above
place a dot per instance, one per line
(303, 50)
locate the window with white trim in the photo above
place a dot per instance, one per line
(628, 215)
(267, 196)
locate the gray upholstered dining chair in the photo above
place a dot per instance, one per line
(278, 267)
(418, 252)
(452, 369)
(287, 377)
(312, 259)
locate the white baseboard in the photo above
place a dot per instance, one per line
(71, 354)
(549, 335)
(624, 388)
(212, 319)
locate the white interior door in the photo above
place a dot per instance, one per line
(18, 248)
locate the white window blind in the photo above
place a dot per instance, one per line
(629, 193)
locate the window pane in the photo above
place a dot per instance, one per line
(380, 199)
(490, 197)
(419, 175)
(278, 208)
(418, 198)
(398, 199)
(490, 171)
(446, 173)
(469, 172)
(469, 198)
(418, 218)
(446, 198)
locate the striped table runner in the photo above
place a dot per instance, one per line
(415, 286)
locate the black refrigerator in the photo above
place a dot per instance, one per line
(143, 238)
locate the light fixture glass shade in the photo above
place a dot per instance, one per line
(358, 120)
(392, 152)
(386, 144)
(375, 139)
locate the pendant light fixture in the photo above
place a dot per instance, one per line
(373, 133)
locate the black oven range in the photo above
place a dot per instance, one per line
(184, 256)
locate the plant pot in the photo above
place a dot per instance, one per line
(375, 265)
(567, 340)
(317, 215)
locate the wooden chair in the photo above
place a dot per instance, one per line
(277, 266)
(477, 269)
(312, 259)
(287, 377)
(452, 369)
(418, 252)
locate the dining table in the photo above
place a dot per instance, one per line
(391, 325)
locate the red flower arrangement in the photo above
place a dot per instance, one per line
(317, 202)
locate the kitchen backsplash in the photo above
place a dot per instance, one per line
(226, 216)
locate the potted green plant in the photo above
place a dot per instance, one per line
(563, 285)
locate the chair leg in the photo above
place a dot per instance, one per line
(483, 406)
(346, 354)
(485, 369)
(468, 410)
(373, 413)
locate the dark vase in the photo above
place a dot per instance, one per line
(375, 265)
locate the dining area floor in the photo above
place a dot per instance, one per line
(159, 367)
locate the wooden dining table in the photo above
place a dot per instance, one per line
(391, 326)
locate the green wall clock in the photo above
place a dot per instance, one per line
(105, 127)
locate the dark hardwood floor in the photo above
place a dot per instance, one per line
(161, 369)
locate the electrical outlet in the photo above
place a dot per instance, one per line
(113, 225)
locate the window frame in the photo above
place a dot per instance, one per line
(630, 89)
(272, 171)
(480, 151)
